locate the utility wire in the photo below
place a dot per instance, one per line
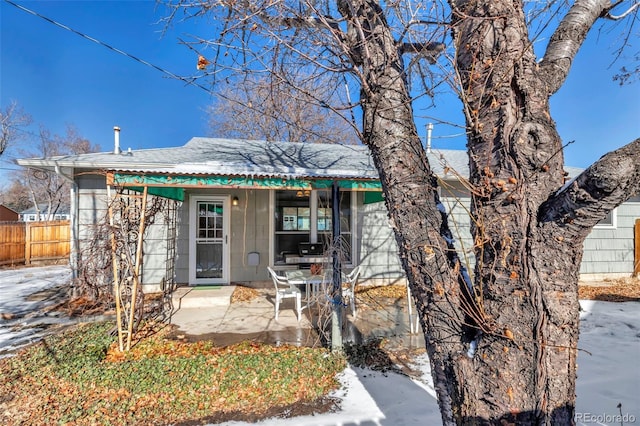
(115, 49)
(20, 129)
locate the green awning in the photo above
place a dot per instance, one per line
(371, 197)
(172, 187)
(373, 185)
(164, 192)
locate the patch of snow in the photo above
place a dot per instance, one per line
(16, 285)
(20, 324)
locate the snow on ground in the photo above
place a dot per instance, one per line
(17, 284)
(608, 386)
(608, 364)
(20, 323)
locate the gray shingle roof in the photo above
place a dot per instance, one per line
(249, 158)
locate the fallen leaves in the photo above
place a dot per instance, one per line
(83, 378)
(80, 306)
(244, 294)
(623, 290)
(391, 291)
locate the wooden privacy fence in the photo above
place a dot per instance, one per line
(26, 242)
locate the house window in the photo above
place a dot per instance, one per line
(609, 221)
(296, 219)
(305, 216)
(289, 222)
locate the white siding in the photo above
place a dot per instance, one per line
(457, 203)
(182, 244)
(376, 245)
(92, 207)
(250, 233)
(92, 210)
(610, 251)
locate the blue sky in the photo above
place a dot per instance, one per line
(60, 78)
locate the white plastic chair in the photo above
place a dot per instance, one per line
(285, 291)
(350, 292)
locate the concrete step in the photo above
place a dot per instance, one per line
(203, 297)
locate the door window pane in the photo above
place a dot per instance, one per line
(289, 219)
(210, 220)
(209, 260)
(324, 219)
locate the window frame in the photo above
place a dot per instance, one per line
(612, 225)
(313, 232)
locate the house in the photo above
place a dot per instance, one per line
(7, 214)
(242, 205)
(32, 215)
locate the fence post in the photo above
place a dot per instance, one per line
(636, 257)
(27, 244)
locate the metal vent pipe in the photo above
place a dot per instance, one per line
(116, 140)
(429, 129)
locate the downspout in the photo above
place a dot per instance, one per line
(73, 222)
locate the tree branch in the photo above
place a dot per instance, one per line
(609, 15)
(325, 22)
(430, 50)
(567, 40)
(606, 184)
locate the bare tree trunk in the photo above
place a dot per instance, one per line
(421, 231)
(526, 280)
(502, 348)
(526, 273)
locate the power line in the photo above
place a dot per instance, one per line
(108, 46)
(20, 129)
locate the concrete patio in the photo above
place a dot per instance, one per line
(209, 314)
(201, 314)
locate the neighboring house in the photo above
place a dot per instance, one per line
(7, 214)
(31, 215)
(244, 205)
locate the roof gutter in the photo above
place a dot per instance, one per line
(73, 222)
(50, 164)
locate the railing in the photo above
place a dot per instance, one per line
(27, 242)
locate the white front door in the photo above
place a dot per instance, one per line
(209, 240)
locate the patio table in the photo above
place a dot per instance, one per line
(312, 282)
